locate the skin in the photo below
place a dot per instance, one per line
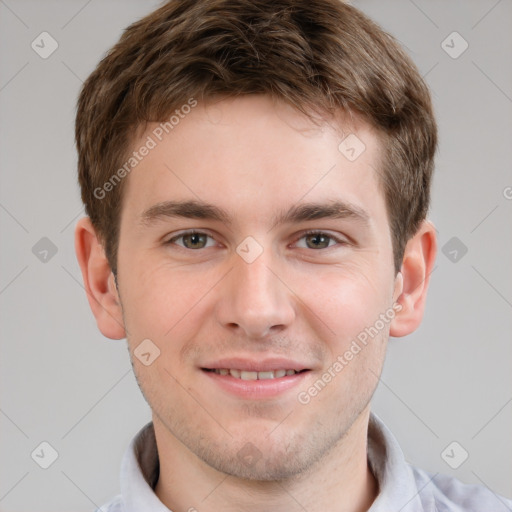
(256, 158)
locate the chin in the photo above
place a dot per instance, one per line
(266, 468)
(266, 459)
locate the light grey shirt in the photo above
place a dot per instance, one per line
(402, 487)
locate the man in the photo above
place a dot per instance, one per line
(256, 176)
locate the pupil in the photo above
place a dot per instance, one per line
(318, 241)
(194, 240)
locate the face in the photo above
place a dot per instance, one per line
(250, 243)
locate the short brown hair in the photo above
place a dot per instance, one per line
(321, 55)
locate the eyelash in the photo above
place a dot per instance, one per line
(304, 234)
(313, 232)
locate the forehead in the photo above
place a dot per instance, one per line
(254, 156)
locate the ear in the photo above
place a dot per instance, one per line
(413, 280)
(99, 281)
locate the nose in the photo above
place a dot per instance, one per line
(254, 299)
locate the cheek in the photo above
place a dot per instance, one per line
(164, 302)
(350, 304)
(346, 299)
(149, 286)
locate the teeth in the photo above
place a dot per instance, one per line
(248, 375)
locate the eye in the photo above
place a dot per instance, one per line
(195, 240)
(192, 240)
(318, 240)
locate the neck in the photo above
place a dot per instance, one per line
(341, 477)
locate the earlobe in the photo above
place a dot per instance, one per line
(411, 292)
(99, 282)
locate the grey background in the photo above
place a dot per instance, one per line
(63, 383)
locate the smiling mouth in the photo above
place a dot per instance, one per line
(253, 375)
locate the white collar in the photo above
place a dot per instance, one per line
(397, 485)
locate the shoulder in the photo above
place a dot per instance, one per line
(449, 494)
(114, 505)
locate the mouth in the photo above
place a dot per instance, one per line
(256, 380)
(254, 375)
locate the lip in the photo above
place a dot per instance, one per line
(256, 389)
(264, 365)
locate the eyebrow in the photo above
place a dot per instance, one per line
(194, 209)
